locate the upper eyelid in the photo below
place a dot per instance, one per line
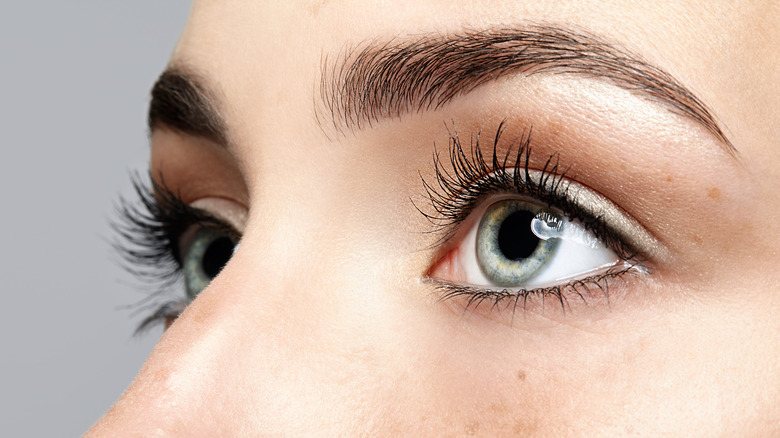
(173, 203)
(229, 212)
(620, 222)
(592, 205)
(175, 215)
(471, 176)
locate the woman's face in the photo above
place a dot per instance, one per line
(469, 218)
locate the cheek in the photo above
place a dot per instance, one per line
(657, 368)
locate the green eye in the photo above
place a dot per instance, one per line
(508, 251)
(208, 253)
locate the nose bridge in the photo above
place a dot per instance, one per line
(303, 287)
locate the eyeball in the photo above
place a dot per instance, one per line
(520, 244)
(207, 253)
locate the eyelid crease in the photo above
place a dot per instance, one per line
(227, 211)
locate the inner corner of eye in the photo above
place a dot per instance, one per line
(447, 267)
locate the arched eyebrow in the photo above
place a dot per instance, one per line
(386, 79)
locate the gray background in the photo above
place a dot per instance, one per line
(74, 85)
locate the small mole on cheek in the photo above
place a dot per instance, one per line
(669, 179)
(713, 193)
(521, 375)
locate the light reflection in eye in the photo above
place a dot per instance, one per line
(547, 225)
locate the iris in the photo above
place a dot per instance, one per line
(208, 253)
(508, 251)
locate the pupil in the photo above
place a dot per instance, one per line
(217, 255)
(515, 238)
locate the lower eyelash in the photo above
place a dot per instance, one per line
(582, 290)
(164, 313)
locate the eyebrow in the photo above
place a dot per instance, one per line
(182, 101)
(386, 79)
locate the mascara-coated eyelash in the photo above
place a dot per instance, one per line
(149, 232)
(470, 178)
(457, 192)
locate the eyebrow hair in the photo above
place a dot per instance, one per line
(182, 101)
(386, 79)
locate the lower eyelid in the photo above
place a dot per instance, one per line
(596, 293)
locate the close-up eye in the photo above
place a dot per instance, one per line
(518, 243)
(176, 246)
(513, 232)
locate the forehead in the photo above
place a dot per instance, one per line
(274, 51)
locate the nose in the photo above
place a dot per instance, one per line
(270, 347)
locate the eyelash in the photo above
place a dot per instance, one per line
(470, 178)
(148, 231)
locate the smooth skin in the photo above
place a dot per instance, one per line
(323, 322)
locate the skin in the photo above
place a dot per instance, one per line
(323, 324)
